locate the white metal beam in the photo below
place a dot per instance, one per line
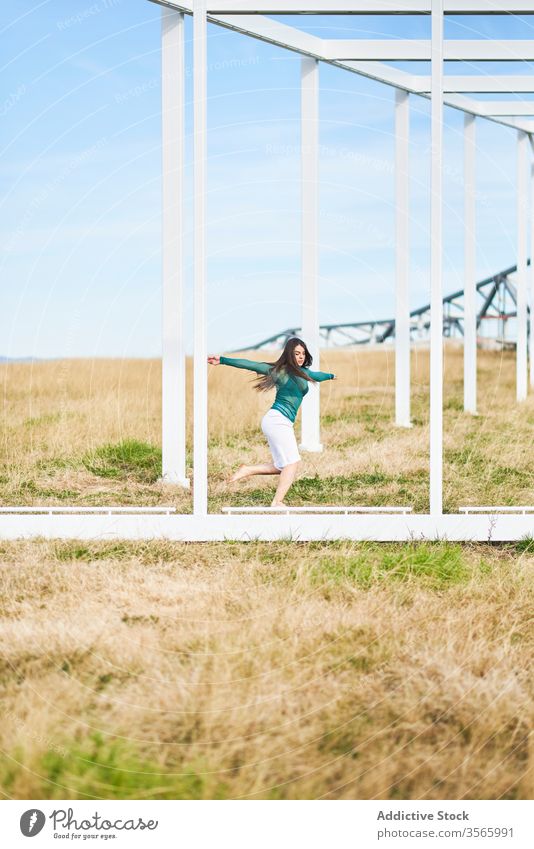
(494, 526)
(479, 83)
(310, 421)
(512, 107)
(273, 32)
(484, 109)
(522, 269)
(466, 104)
(381, 72)
(290, 38)
(405, 49)
(514, 123)
(173, 350)
(402, 249)
(436, 264)
(368, 7)
(414, 84)
(200, 352)
(470, 317)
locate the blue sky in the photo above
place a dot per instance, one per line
(80, 171)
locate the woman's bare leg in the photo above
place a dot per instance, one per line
(247, 471)
(287, 476)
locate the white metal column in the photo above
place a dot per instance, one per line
(311, 427)
(200, 385)
(522, 270)
(532, 276)
(402, 309)
(173, 352)
(470, 318)
(436, 302)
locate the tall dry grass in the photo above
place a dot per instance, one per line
(59, 418)
(282, 670)
(321, 670)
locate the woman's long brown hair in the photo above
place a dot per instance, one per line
(286, 363)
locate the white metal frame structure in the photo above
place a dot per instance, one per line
(173, 359)
(402, 245)
(310, 435)
(368, 58)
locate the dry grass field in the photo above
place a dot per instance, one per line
(264, 670)
(278, 671)
(88, 432)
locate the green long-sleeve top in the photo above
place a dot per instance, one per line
(290, 390)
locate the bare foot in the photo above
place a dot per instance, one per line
(278, 504)
(241, 472)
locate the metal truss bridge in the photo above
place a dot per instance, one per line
(497, 304)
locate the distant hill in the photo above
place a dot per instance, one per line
(19, 360)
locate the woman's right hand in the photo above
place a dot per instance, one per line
(214, 361)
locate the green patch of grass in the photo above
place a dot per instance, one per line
(525, 545)
(485, 567)
(49, 418)
(77, 550)
(145, 551)
(241, 441)
(508, 474)
(438, 565)
(250, 498)
(32, 489)
(106, 768)
(454, 404)
(129, 459)
(373, 413)
(442, 563)
(467, 456)
(418, 476)
(373, 488)
(340, 744)
(350, 442)
(339, 487)
(52, 464)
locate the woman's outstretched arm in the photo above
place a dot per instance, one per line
(319, 376)
(251, 365)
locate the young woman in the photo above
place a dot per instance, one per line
(290, 375)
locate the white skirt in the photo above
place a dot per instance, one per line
(281, 438)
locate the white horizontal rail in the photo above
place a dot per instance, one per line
(512, 107)
(382, 72)
(487, 510)
(479, 83)
(498, 528)
(275, 32)
(419, 49)
(110, 511)
(485, 110)
(316, 509)
(368, 7)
